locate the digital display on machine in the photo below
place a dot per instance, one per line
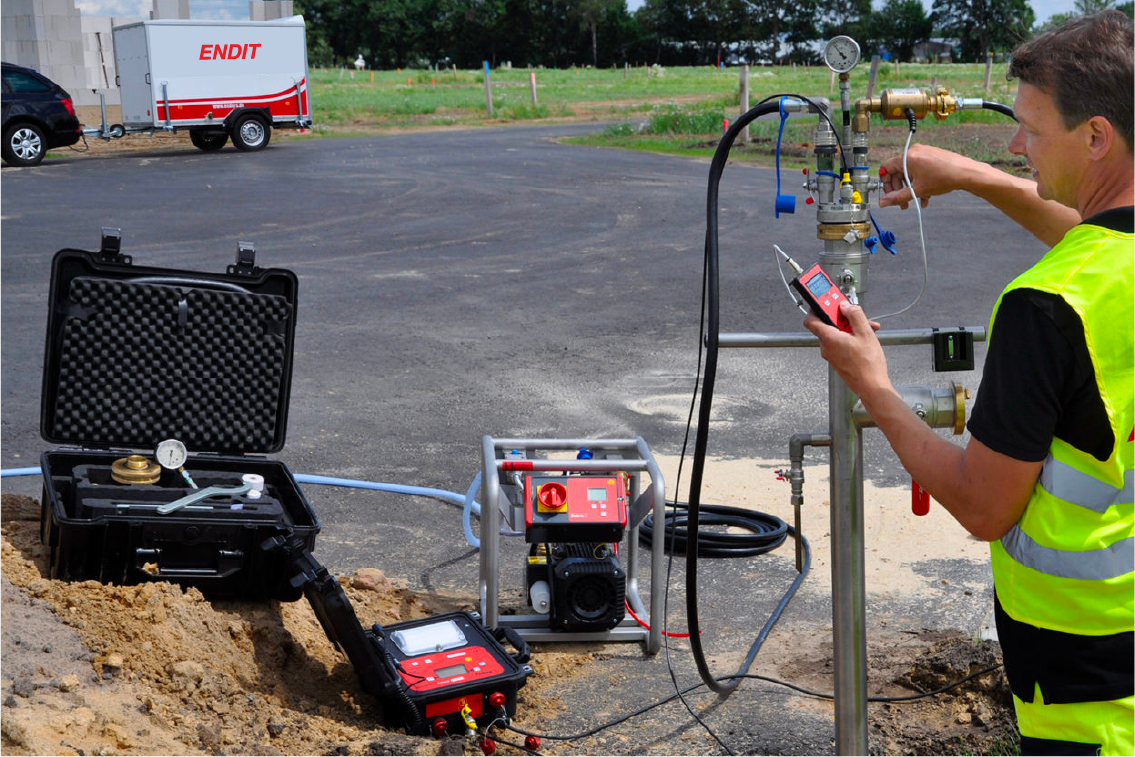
(596, 495)
(452, 670)
(819, 285)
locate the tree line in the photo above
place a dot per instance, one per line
(563, 33)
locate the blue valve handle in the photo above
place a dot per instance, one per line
(886, 238)
(784, 203)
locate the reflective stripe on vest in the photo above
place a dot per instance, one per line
(1090, 565)
(1064, 482)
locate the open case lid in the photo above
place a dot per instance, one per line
(135, 355)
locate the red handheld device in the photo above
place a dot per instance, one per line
(822, 296)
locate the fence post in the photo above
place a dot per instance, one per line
(488, 92)
(454, 72)
(743, 137)
(988, 71)
(626, 69)
(532, 86)
(933, 85)
(875, 59)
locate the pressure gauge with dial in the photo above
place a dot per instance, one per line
(171, 454)
(841, 54)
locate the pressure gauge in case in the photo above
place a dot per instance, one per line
(171, 454)
(841, 54)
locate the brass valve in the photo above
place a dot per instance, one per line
(135, 469)
(892, 105)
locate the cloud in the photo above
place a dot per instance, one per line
(201, 9)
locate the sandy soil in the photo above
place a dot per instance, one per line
(154, 669)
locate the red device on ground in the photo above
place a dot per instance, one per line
(822, 296)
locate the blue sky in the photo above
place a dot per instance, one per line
(238, 9)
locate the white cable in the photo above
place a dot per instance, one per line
(780, 270)
(921, 234)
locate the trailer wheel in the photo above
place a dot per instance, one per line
(116, 131)
(24, 145)
(250, 133)
(208, 141)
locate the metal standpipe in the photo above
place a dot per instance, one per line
(846, 420)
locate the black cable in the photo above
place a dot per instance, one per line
(767, 532)
(767, 679)
(711, 308)
(1004, 110)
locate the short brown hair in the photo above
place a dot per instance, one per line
(1086, 67)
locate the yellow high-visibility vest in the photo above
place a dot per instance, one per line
(1069, 563)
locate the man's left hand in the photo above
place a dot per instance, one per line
(858, 357)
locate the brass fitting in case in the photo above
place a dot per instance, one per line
(135, 469)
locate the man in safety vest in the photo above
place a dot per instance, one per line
(1047, 475)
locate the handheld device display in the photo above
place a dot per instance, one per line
(822, 296)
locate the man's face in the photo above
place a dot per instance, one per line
(1056, 155)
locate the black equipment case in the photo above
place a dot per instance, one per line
(136, 355)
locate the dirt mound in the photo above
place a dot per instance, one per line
(154, 669)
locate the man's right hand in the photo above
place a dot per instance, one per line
(934, 171)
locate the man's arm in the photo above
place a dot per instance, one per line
(984, 490)
(935, 171)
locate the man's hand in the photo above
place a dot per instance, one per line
(934, 171)
(857, 358)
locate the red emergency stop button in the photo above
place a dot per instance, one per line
(552, 495)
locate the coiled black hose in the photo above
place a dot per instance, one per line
(766, 532)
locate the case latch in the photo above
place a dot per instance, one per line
(245, 260)
(110, 248)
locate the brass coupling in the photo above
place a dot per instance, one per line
(893, 104)
(831, 232)
(135, 469)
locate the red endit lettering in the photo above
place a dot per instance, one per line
(252, 50)
(219, 52)
(236, 51)
(206, 51)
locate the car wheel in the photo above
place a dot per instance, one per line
(24, 145)
(250, 133)
(208, 141)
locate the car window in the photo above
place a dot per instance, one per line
(21, 82)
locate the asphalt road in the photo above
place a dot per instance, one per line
(461, 283)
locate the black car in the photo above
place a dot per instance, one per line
(38, 115)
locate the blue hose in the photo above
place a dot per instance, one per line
(469, 505)
(20, 472)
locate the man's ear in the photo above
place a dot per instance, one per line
(1102, 137)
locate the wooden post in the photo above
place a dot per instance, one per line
(988, 71)
(933, 85)
(743, 137)
(875, 59)
(372, 77)
(488, 92)
(532, 86)
(626, 69)
(454, 72)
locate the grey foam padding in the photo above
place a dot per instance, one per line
(144, 362)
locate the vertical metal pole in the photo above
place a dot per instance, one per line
(488, 92)
(849, 617)
(490, 533)
(743, 137)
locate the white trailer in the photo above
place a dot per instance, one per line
(218, 79)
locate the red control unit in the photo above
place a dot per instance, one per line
(822, 296)
(575, 508)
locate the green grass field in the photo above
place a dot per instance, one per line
(676, 110)
(417, 97)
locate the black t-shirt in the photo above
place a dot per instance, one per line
(1038, 381)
